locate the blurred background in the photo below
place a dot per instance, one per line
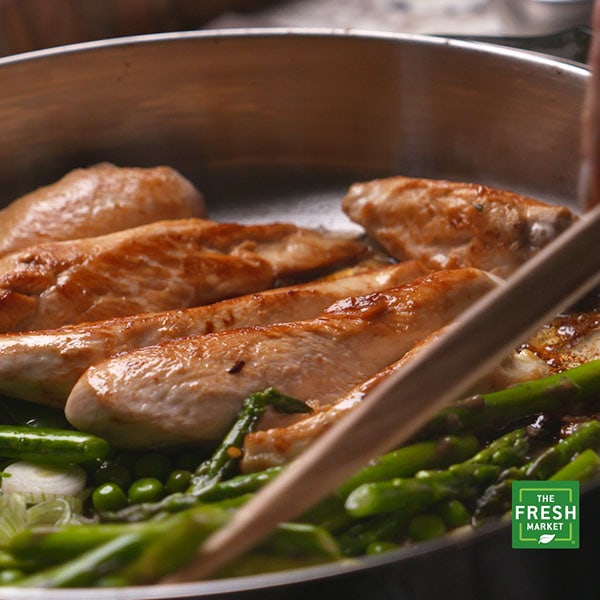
(34, 24)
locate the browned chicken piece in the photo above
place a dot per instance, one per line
(280, 445)
(568, 340)
(191, 389)
(95, 201)
(448, 225)
(43, 366)
(156, 267)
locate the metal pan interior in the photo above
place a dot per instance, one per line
(275, 124)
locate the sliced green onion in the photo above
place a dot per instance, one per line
(13, 518)
(37, 483)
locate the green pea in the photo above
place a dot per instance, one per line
(153, 464)
(109, 496)
(178, 481)
(147, 489)
(111, 472)
(426, 527)
(453, 513)
(381, 547)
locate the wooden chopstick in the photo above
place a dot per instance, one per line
(551, 281)
(560, 274)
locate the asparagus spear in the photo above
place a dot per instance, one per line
(355, 540)
(586, 435)
(499, 409)
(49, 546)
(582, 467)
(422, 491)
(426, 488)
(87, 568)
(497, 498)
(225, 458)
(406, 461)
(61, 446)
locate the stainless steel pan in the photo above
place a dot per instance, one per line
(275, 125)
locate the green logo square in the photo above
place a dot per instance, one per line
(545, 514)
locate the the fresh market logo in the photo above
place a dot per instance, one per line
(545, 514)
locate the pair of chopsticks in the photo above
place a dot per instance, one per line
(559, 275)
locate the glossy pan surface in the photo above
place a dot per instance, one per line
(276, 124)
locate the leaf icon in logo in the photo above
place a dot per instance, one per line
(546, 538)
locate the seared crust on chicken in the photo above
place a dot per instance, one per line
(160, 266)
(568, 341)
(448, 225)
(191, 389)
(43, 366)
(98, 200)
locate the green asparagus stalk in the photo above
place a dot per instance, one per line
(582, 467)
(90, 566)
(426, 488)
(355, 540)
(49, 546)
(497, 498)
(41, 444)
(586, 435)
(406, 461)
(499, 409)
(302, 540)
(165, 553)
(223, 462)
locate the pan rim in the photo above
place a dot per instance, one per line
(217, 35)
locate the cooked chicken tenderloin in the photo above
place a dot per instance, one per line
(280, 445)
(191, 389)
(568, 341)
(448, 225)
(43, 366)
(98, 200)
(156, 267)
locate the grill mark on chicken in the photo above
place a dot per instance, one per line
(450, 225)
(43, 366)
(156, 267)
(180, 391)
(95, 201)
